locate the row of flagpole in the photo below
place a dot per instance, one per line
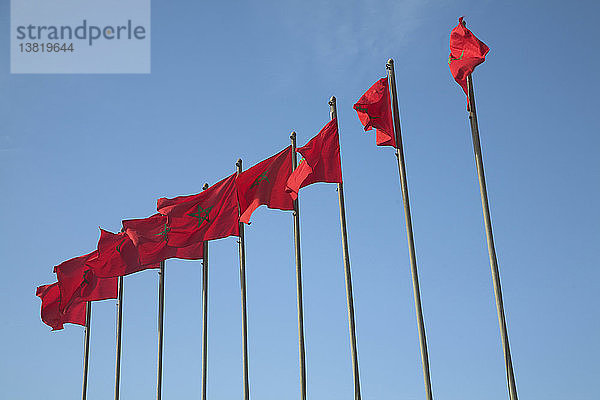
(245, 379)
(296, 225)
(399, 152)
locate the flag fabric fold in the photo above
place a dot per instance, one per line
(77, 281)
(466, 52)
(374, 110)
(117, 256)
(321, 161)
(151, 238)
(209, 215)
(51, 313)
(265, 183)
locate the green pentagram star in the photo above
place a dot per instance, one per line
(362, 109)
(260, 178)
(85, 276)
(450, 59)
(202, 214)
(120, 245)
(164, 233)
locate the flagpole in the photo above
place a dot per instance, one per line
(510, 377)
(86, 349)
(299, 281)
(161, 310)
(409, 230)
(246, 389)
(119, 327)
(349, 295)
(204, 312)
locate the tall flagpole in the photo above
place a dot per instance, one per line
(510, 377)
(119, 327)
(349, 296)
(86, 348)
(409, 231)
(246, 389)
(299, 282)
(204, 312)
(161, 311)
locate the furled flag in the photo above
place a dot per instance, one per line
(77, 281)
(466, 52)
(212, 214)
(321, 160)
(152, 239)
(50, 310)
(374, 109)
(117, 256)
(265, 184)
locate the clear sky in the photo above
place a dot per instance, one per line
(233, 79)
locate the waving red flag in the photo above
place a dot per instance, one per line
(77, 281)
(321, 160)
(374, 109)
(466, 52)
(265, 184)
(212, 214)
(151, 238)
(117, 256)
(50, 310)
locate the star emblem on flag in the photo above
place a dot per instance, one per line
(260, 178)
(120, 245)
(202, 214)
(164, 233)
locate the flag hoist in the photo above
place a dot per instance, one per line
(346, 258)
(466, 52)
(296, 216)
(86, 349)
(245, 382)
(204, 313)
(376, 110)
(65, 301)
(119, 334)
(409, 230)
(161, 313)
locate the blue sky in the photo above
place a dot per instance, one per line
(233, 79)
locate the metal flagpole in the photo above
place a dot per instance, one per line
(204, 313)
(510, 377)
(119, 326)
(86, 348)
(161, 311)
(349, 296)
(246, 390)
(409, 231)
(299, 282)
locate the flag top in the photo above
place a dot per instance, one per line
(211, 214)
(374, 110)
(466, 52)
(264, 183)
(321, 161)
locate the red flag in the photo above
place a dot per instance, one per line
(152, 238)
(374, 109)
(50, 310)
(117, 256)
(212, 214)
(466, 52)
(321, 160)
(265, 183)
(77, 282)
